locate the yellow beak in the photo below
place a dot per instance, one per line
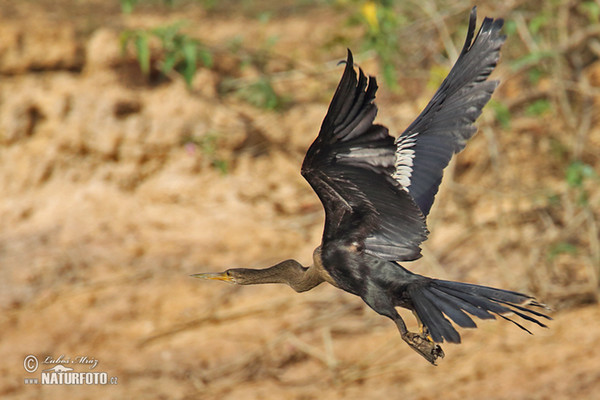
(219, 276)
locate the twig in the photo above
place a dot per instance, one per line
(524, 34)
(332, 362)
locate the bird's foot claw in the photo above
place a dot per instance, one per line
(423, 345)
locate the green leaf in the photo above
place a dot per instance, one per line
(539, 107)
(205, 57)
(180, 52)
(142, 48)
(577, 172)
(169, 63)
(591, 9)
(168, 34)
(189, 56)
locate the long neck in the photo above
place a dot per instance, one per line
(289, 272)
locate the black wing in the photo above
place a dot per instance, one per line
(445, 125)
(376, 193)
(350, 167)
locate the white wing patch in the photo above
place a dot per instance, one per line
(404, 159)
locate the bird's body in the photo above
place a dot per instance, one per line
(377, 192)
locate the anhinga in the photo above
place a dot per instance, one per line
(377, 193)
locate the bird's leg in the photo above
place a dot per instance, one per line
(422, 328)
(420, 342)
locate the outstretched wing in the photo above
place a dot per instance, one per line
(445, 125)
(377, 192)
(350, 167)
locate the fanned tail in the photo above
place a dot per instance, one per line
(458, 301)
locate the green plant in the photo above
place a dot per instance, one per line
(539, 107)
(257, 91)
(261, 94)
(591, 9)
(179, 52)
(382, 23)
(576, 175)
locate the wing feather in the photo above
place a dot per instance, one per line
(444, 126)
(350, 166)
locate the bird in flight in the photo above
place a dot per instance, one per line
(377, 192)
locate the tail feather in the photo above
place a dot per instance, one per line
(460, 303)
(487, 291)
(527, 317)
(530, 311)
(478, 300)
(432, 317)
(434, 301)
(450, 309)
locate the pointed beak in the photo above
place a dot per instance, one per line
(219, 276)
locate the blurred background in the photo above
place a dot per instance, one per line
(145, 140)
